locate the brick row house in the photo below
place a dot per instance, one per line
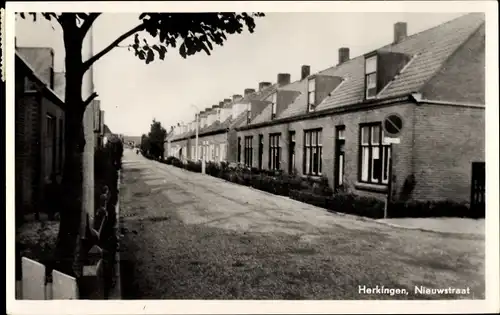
(39, 130)
(39, 125)
(329, 124)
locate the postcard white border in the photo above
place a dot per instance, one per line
(491, 304)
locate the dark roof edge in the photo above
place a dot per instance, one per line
(51, 94)
(444, 63)
(325, 112)
(209, 133)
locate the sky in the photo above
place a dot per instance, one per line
(132, 93)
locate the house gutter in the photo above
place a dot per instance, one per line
(336, 110)
(420, 100)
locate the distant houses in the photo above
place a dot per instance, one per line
(330, 123)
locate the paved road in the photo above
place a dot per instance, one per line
(193, 236)
(203, 199)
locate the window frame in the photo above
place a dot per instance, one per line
(292, 143)
(248, 154)
(274, 105)
(239, 149)
(313, 144)
(274, 151)
(311, 106)
(249, 113)
(372, 73)
(340, 140)
(261, 150)
(384, 153)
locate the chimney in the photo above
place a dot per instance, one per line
(399, 32)
(249, 91)
(305, 71)
(263, 85)
(343, 55)
(236, 97)
(283, 79)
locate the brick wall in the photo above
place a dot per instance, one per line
(402, 153)
(28, 148)
(447, 140)
(216, 140)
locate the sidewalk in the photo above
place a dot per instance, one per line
(443, 225)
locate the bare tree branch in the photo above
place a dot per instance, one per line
(88, 22)
(86, 65)
(90, 99)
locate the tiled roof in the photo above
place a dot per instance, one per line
(265, 115)
(428, 50)
(256, 96)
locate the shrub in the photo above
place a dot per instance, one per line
(212, 169)
(177, 163)
(423, 209)
(193, 166)
(344, 203)
(170, 159)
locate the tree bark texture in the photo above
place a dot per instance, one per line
(69, 240)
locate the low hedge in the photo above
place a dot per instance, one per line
(345, 203)
(317, 192)
(374, 208)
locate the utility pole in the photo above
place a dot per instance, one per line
(197, 116)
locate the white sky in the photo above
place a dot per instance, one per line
(133, 93)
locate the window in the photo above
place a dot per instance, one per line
(311, 94)
(29, 85)
(222, 152)
(371, 76)
(248, 151)
(239, 150)
(61, 142)
(50, 144)
(274, 151)
(273, 105)
(212, 152)
(339, 156)
(313, 151)
(291, 152)
(261, 150)
(51, 78)
(249, 113)
(374, 156)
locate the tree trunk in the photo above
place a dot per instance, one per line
(69, 239)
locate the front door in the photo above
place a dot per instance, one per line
(291, 157)
(339, 157)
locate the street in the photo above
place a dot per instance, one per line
(193, 236)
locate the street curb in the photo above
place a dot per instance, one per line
(347, 215)
(116, 291)
(428, 230)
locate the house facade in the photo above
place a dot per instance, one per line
(333, 123)
(434, 81)
(39, 130)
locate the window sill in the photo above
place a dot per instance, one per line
(315, 178)
(371, 187)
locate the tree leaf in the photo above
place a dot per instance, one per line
(150, 56)
(182, 50)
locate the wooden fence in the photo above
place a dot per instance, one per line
(34, 285)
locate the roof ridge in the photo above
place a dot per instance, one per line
(405, 39)
(438, 70)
